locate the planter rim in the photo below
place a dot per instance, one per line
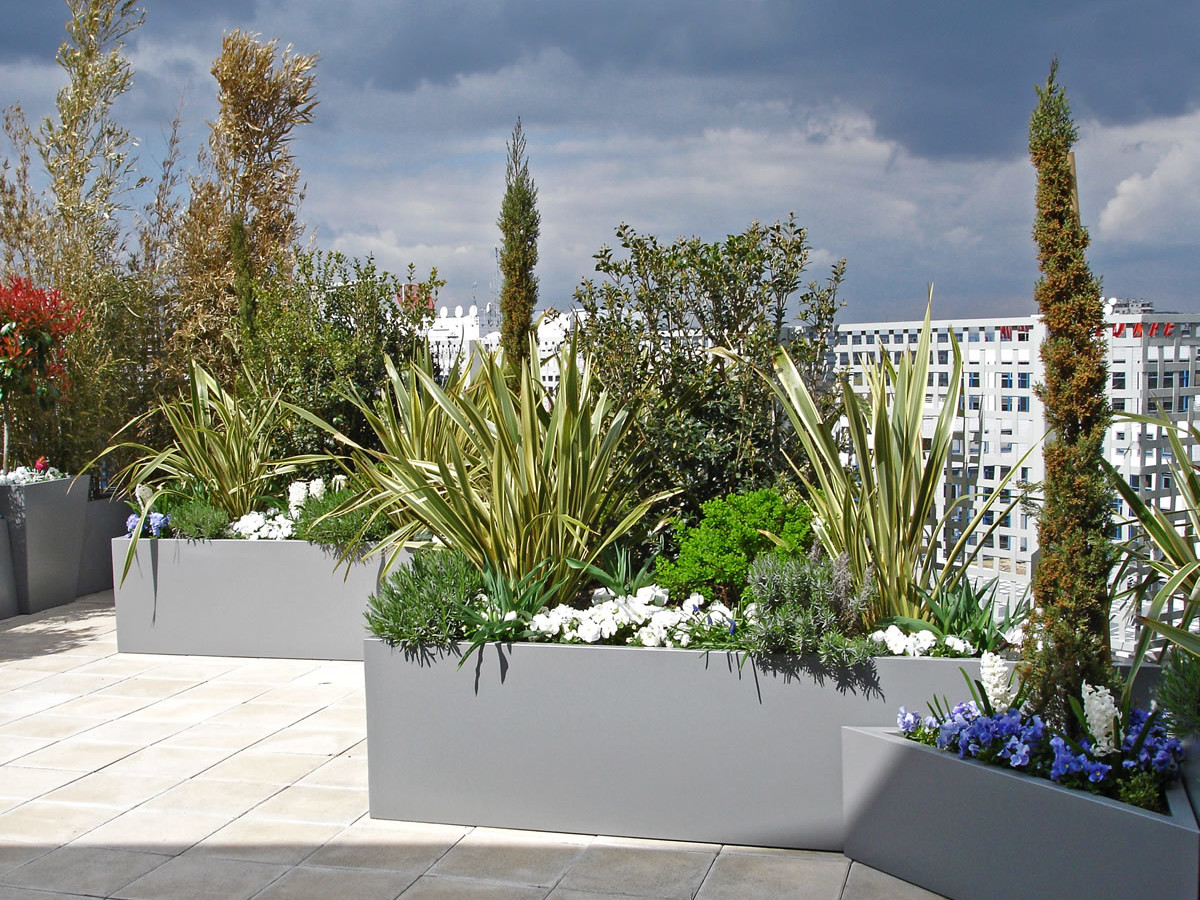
(1180, 809)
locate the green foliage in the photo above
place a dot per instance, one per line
(1141, 788)
(1070, 640)
(324, 521)
(880, 510)
(715, 555)
(520, 223)
(501, 470)
(1178, 692)
(421, 604)
(807, 606)
(196, 519)
(616, 572)
(322, 329)
(966, 611)
(711, 427)
(221, 448)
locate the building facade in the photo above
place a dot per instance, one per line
(1154, 366)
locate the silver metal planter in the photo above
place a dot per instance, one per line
(46, 523)
(279, 599)
(672, 744)
(973, 831)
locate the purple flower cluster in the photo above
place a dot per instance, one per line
(154, 525)
(1025, 743)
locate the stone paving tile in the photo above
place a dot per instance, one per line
(210, 795)
(28, 783)
(404, 847)
(96, 706)
(300, 803)
(84, 870)
(341, 771)
(147, 686)
(265, 840)
(120, 792)
(639, 871)
(161, 759)
(49, 725)
(302, 739)
(432, 887)
(512, 859)
(14, 747)
(309, 883)
(154, 831)
(13, 854)
(865, 883)
(47, 822)
(195, 878)
(272, 768)
(78, 754)
(757, 876)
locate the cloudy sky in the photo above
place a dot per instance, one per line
(896, 131)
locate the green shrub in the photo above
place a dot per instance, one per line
(715, 555)
(807, 607)
(197, 519)
(1179, 692)
(421, 604)
(342, 530)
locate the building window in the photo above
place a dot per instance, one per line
(1005, 542)
(885, 339)
(1006, 380)
(914, 336)
(1118, 381)
(1006, 448)
(1022, 404)
(871, 338)
(898, 355)
(1152, 381)
(943, 379)
(1023, 336)
(856, 340)
(1135, 481)
(972, 379)
(975, 402)
(1118, 404)
(844, 359)
(1168, 379)
(1024, 473)
(843, 339)
(1023, 380)
(1164, 482)
(943, 337)
(1185, 378)
(1183, 403)
(943, 357)
(1006, 403)
(972, 337)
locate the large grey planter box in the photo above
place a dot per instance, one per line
(972, 831)
(279, 599)
(672, 744)
(8, 586)
(104, 520)
(45, 531)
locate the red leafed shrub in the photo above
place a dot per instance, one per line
(33, 324)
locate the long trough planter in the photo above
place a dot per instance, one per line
(278, 599)
(657, 743)
(972, 831)
(46, 522)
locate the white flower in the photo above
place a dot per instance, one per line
(297, 494)
(997, 683)
(1100, 712)
(652, 594)
(959, 645)
(143, 492)
(693, 603)
(316, 488)
(589, 631)
(649, 637)
(338, 482)
(255, 526)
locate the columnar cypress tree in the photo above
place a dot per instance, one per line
(1069, 643)
(519, 224)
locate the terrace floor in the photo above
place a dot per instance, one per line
(143, 777)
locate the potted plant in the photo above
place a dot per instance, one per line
(232, 583)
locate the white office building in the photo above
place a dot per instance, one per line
(1154, 364)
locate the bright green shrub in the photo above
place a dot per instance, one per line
(315, 525)
(715, 554)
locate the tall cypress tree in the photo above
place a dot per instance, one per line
(1069, 643)
(519, 224)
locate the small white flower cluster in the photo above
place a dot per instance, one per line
(29, 475)
(652, 623)
(919, 643)
(1100, 711)
(300, 491)
(272, 525)
(997, 682)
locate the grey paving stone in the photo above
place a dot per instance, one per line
(639, 871)
(866, 883)
(311, 883)
(526, 862)
(759, 876)
(431, 887)
(84, 870)
(197, 878)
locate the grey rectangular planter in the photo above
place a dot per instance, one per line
(672, 744)
(104, 520)
(45, 531)
(973, 831)
(279, 599)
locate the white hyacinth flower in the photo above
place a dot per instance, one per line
(997, 684)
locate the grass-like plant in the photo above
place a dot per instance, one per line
(880, 510)
(517, 478)
(420, 604)
(968, 612)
